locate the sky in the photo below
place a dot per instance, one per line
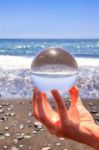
(49, 18)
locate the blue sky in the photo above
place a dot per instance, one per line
(49, 18)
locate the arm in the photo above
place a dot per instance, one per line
(76, 123)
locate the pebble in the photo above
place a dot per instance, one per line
(7, 134)
(46, 148)
(58, 144)
(21, 146)
(9, 109)
(34, 132)
(3, 104)
(37, 126)
(5, 147)
(1, 110)
(27, 136)
(30, 114)
(97, 115)
(19, 136)
(14, 148)
(93, 111)
(21, 126)
(61, 139)
(6, 128)
(12, 114)
(2, 137)
(29, 121)
(15, 141)
(91, 104)
(3, 119)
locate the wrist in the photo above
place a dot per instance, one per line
(94, 137)
(91, 137)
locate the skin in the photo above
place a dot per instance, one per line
(76, 123)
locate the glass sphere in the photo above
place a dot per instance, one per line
(54, 68)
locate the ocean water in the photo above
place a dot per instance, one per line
(16, 56)
(29, 47)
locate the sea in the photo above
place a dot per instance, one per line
(16, 56)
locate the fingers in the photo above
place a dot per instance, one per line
(34, 103)
(60, 106)
(48, 107)
(43, 115)
(74, 94)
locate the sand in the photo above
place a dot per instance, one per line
(19, 130)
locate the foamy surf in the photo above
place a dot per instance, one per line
(21, 62)
(16, 81)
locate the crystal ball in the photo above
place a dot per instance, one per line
(54, 68)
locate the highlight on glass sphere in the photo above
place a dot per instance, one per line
(54, 68)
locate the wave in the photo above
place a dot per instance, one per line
(20, 62)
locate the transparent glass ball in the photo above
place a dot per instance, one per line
(54, 68)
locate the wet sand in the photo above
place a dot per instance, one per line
(19, 130)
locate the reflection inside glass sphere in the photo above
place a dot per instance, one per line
(54, 68)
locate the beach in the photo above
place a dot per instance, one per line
(19, 130)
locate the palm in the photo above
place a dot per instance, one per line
(75, 123)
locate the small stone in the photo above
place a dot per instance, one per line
(29, 121)
(91, 104)
(5, 147)
(97, 115)
(65, 149)
(11, 106)
(12, 114)
(7, 104)
(27, 136)
(42, 129)
(2, 136)
(46, 148)
(6, 128)
(9, 109)
(14, 148)
(3, 119)
(21, 146)
(61, 139)
(7, 134)
(1, 111)
(30, 114)
(34, 132)
(3, 104)
(21, 126)
(19, 136)
(37, 126)
(15, 141)
(7, 114)
(58, 144)
(93, 111)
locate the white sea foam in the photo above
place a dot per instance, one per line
(18, 62)
(16, 81)
(15, 62)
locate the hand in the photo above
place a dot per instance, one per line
(76, 123)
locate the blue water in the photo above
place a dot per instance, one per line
(29, 47)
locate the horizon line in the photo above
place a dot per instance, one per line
(49, 38)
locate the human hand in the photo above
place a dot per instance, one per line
(76, 123)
